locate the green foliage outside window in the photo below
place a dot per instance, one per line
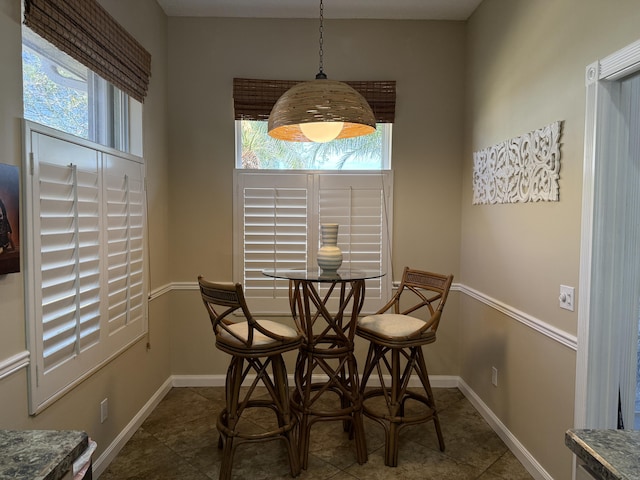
(260, 151)
(52, 103)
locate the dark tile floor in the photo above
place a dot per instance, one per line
(179, 441)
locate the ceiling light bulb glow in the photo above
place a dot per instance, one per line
(321, 132)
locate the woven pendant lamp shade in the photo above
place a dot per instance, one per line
(326, 109)
(320, 100)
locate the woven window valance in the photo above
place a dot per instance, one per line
(85, 31)
(253, 98)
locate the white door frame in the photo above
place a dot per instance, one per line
(594, 405)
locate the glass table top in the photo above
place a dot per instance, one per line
(317, 275)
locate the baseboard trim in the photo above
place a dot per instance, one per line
(201, 380)
(437, 381)
(522, 454)
(103, 461)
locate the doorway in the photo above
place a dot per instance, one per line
(609, 306)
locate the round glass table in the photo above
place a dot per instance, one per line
(325, 308)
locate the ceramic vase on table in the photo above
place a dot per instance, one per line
(329, 254)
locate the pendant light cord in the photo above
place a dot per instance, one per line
(321, 75)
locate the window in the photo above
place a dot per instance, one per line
(255, 149)
(85, 240)
(62, 93)
(285, 190)
(279, 215)
(86, 287)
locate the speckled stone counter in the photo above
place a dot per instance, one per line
(39, 454)
(609, 454)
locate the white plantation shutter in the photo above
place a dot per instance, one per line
(273, 211)
(69, 245)
(278, 214)
(358, 203)
(85, 258)
(125, 227)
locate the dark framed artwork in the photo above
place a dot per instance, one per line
(9, 219)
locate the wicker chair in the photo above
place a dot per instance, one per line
(395, 350)
(254, 346)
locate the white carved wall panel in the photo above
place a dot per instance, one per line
(523, 169)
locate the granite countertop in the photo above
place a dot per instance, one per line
(610, 454)
(39, 454)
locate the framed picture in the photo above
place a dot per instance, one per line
(9, 219)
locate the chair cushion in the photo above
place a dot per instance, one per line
(391, 325)
(241, 330)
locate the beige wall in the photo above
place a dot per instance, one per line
(525, 67)
(130, 380)
(517, 65)
(205, 54)
(12, 340)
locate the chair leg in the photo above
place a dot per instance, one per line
(228, 419)
(369, 364)
(232, 389)
(357, 421)
(391, 445)
(424, 378)
(227, 459)
(395, 394)
(395, 405)
(303, 391)
(285, 417)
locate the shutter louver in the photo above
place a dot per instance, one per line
(275, 236)
(125, 220)
(357, 204)
(70, 232)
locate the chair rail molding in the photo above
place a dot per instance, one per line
(14, 363)
(566, 339)
(158, 292)
(560, 336)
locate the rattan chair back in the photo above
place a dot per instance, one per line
(223, 299)
(420, 289)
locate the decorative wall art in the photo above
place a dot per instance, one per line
(523, 169)
(9, 219)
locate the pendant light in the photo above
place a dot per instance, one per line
(320, 110)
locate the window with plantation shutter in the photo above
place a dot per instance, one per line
(358, 204)
(278, 216)
(125, 242)
(272, 233)
(70, 266)
(85, 257)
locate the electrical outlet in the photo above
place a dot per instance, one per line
(566, 297)
(104, 410)
(494, 376)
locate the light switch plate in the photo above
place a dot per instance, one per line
(566, 298)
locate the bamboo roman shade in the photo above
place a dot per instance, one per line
(85, 31)
(254, 98)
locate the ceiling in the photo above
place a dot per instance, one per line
(375, 9)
